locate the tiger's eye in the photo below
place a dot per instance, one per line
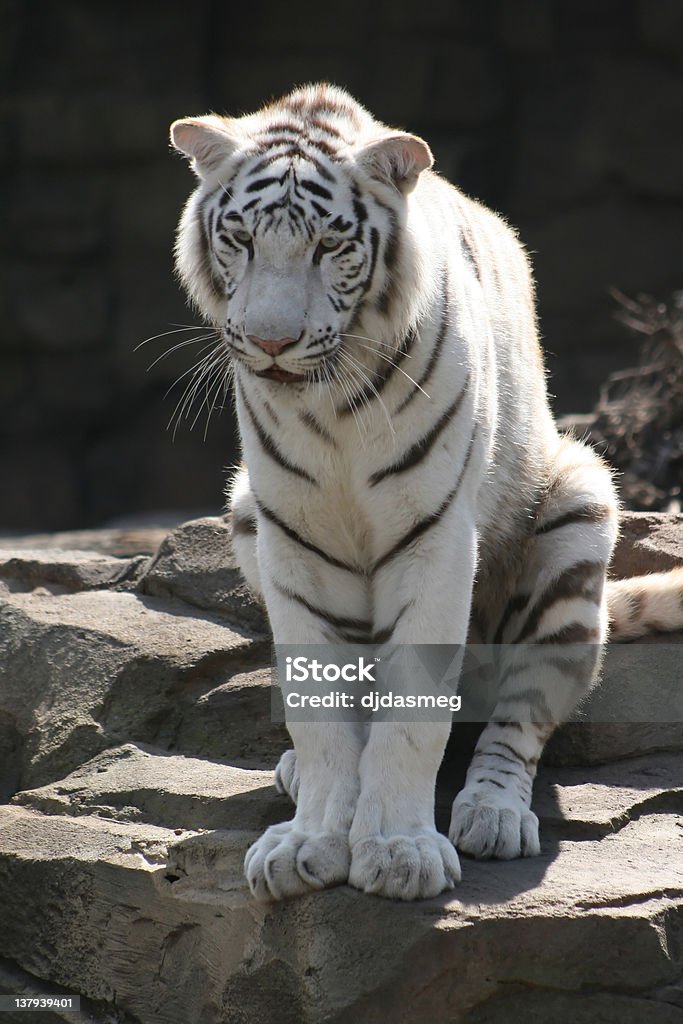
(330, 242)
(242, 235)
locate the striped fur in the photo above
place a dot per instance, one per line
(405, 482)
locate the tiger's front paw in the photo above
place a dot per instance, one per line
(287, 861)
(487, 824)
(404, 867)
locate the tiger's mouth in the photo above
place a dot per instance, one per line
(278, 374)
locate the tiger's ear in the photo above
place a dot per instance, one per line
(398, 159)
(205, 140)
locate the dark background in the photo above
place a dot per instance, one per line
(565, 115)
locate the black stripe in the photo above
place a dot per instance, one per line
(375, 387)
(270, 448)
(421, 449)
(243, 525)
(271, 412)
(309, 420)
(584, 579)
(324, 147)
(392, 242)
(589, 514)
(265, 162)
(324, 126)
(424, 524)
(360, 210)
(336, 621)
(206, 262)
(469, 247)
(366, 285)
(493, 781)
(391, 249)
(226, 240)
(382, 636)
(434, 354)
(315, 188)
(321, 169)
(339, 224)
(298, 539)
(517, 758)
(494, 753)
(258, 186)
(515, 605)
(503, 771)
(291, 127)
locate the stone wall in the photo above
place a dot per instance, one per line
(563, 114)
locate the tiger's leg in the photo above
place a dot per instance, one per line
(312, 850)
(555, 621)
(396, 850)
(242, 505)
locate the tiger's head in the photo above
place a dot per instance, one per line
(297, 237)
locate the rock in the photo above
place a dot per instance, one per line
(136, 752)
(636, 709)
(649, 542)
(195, 563)
(122, 543)
(72, 570)
(132, 783)
(573, 807)
(93, 669)
(163, 924)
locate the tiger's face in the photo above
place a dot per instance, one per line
(292, 247)
(295, 229)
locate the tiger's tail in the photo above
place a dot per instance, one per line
(645, 604)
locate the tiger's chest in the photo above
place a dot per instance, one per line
(335, 481)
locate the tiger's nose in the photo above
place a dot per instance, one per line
(271, 346)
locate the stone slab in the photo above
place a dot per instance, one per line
(164, 926)
(649, 542)
(195, 563)
(69, 569)
(131, 783)
(86, 671)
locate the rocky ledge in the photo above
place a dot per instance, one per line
(136, 756)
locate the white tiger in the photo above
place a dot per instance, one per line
(405, 479)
